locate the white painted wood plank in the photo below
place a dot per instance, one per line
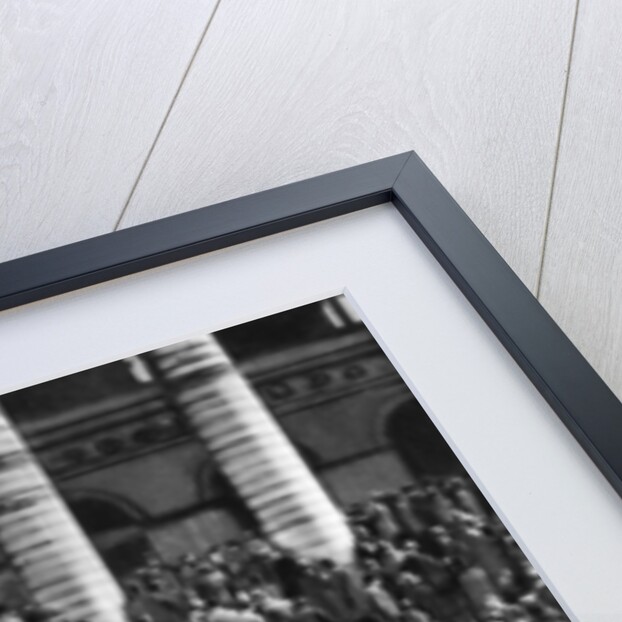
(282, 91)
(582, 275)
(84, 87)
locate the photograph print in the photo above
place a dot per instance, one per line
(275, 471)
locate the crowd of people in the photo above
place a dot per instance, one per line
(431, 552)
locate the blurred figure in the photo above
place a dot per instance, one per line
(381, 517)
(271, 608)
(246, 612)
(409, 521)
(426, 553)
(212, 584)
(380, 601)
(410, 613)
(197, 611)
(8, 615)
(305, 611)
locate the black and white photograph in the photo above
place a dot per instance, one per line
(310, 311)
(275, 471)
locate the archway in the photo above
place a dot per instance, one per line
(419, 443)
(114, 529)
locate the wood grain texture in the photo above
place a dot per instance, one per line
(84, 87)
(282, 91)
(582, 271)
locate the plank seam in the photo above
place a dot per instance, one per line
(547, 217)
(166, 116)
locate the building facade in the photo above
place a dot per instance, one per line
(140, 481)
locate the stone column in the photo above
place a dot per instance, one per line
(252, 450)
(45, 545)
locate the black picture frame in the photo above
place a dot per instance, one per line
(576, 393)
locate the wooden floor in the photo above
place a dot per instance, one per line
(113, 114)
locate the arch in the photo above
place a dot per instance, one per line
(420, 445)
(120, 509)
(380, 420)
(115, 526)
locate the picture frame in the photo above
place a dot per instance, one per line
(575, 392)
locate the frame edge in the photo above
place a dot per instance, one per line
(570, 385)
(153, 244)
